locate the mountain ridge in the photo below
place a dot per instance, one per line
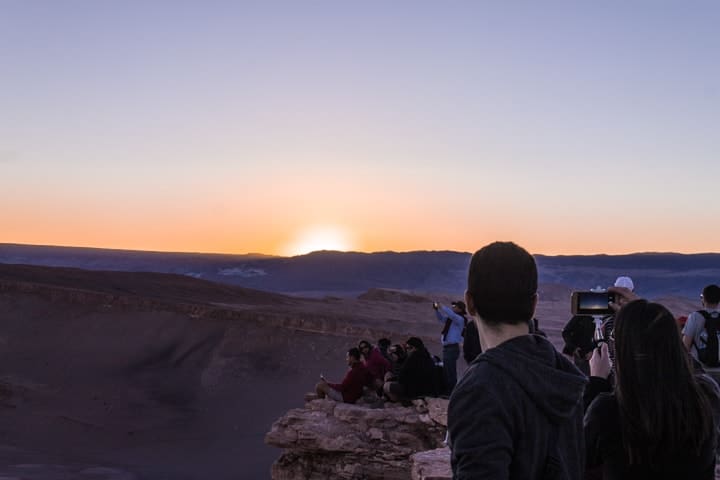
(349, 274)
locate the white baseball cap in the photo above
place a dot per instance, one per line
(625, 282)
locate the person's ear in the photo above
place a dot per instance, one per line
(470, 304)
(535, 303)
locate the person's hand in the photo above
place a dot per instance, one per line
(600, 365)
(622, 296)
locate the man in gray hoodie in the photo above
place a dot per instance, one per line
(517, 412)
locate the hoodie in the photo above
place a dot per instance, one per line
(517, 413)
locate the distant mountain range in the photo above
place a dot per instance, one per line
(351, 273)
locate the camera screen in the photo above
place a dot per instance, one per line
(592, 303)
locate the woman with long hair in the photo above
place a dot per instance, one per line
(660, 420)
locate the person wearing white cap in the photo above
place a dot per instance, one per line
(609, 322)
(625, 282)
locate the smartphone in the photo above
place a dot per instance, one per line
(591, 303)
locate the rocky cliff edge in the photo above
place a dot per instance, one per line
(326, 439)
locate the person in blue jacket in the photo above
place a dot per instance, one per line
(453, 321)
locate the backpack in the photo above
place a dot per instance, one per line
(708, 354)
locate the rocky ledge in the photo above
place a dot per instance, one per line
(326, 439)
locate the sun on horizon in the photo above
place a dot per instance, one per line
(317, 238)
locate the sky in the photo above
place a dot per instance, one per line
(283, 127)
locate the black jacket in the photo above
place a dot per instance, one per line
(604, 442)
(471, 342)
(417, 374)
(517, 414)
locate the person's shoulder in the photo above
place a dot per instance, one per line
(483, 375)
(476, 380)
(709, 387)
(693, 320)
(603, 404)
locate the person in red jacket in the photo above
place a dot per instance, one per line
(375, 362)
(351, 388)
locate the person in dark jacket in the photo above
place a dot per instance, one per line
(397, 358)
(660, 421)
(471, 342)
(417, 374)
(517, 412)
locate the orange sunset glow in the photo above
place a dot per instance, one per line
(356, 129)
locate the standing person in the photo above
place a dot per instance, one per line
(658, 422)
(453, 320)
(471, 342)
(700, 334)
(517, 412)
(351, 388)
(609, 322)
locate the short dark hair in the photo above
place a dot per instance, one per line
(502, 283)
(384, 343)
(355, 353)
(399, 350)
(415, 342)
(711, 294)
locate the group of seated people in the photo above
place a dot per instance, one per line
(397, 373)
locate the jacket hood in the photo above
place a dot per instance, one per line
(551, 381)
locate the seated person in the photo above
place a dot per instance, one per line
(384, 346)
(375, 363)
(417, 374)
(351, 388)
(397, 358)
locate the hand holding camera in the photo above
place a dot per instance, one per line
(622, 296)
(436, 305)
(600, 365)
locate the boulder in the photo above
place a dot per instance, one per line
(432, 465)
(326, 439)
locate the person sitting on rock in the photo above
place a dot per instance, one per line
(384, 346)
(351, 388)
(397, 358)
(375, 363)
(417, 375)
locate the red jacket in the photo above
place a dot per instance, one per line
(377, 364)
(352, 385)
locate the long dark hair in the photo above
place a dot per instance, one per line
(662, 407)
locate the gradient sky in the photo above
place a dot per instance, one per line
(277, 127)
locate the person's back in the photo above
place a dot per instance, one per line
(471, 342)
(660, 422)
(517, 412)
(604, 433)
(417, 372)
(696, 332)
(517, 405)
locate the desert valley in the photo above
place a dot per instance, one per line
(143, 375)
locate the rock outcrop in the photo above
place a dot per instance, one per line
(336, 440)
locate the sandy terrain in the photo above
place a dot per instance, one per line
(151, 376)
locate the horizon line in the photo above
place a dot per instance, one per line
(258, 254)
